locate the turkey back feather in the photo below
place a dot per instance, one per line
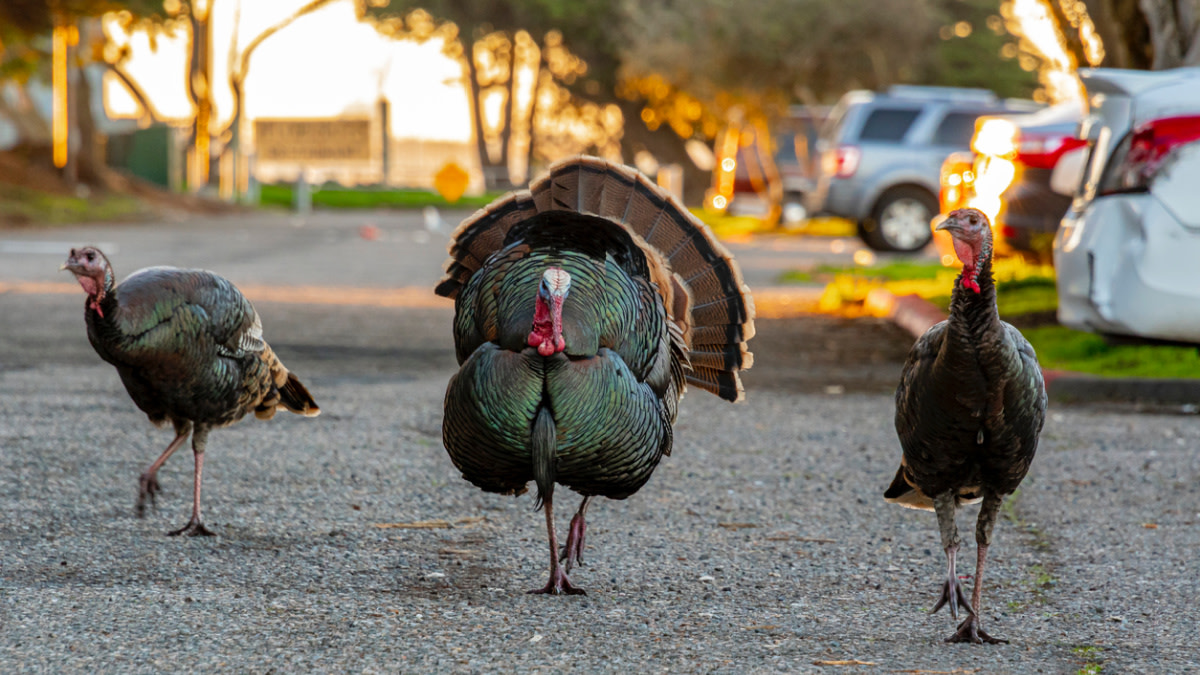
(700, 283)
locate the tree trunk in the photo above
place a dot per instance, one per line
(1173, 31)
(473, 92)
(33, 130)
(199, 87)
(666, 146)
(89, 158)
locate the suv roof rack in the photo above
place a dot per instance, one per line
(941, 93)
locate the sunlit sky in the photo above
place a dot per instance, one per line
(324, 64)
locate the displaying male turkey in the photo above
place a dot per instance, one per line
(582, 306)
(190, 351)
(969, 409)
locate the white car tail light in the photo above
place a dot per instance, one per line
(1138, 157)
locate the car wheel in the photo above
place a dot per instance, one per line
(900, 220)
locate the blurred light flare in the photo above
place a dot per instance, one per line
(995, 136)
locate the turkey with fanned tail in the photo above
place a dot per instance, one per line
(190, 351)
(583, 308)
(969, 409)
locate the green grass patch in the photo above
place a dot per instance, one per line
(1093, 658)
(1017, 297)
(893, 271)
(1026, 296)
(24, 206)
(368, 198)
(1065, 349)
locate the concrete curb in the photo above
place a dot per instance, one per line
(916, 315)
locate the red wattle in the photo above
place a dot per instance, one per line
(547, 328)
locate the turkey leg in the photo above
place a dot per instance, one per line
(946, 504)
(971, 630)
(148, 482)
(559, 584)
(573, 551)
(194, 526)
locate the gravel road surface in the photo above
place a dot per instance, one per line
(762, 544)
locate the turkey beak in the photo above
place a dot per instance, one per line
(949, 224)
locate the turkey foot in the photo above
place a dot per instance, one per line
(559, 584)
(970, 631)
(194, 528)
(148, 482)
(576, 536)
(952, 594)
(148, 490)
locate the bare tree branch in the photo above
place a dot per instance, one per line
(136, 91)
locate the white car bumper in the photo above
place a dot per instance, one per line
(1128, 266)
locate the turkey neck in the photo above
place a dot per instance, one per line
(104, 322)
(973, 315)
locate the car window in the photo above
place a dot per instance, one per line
(785, 145)
(888, 124)
(956, 129)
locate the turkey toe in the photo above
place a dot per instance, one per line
(952, 594)
(194, 528)
(559, 584)
(148, 490)
(970, 631)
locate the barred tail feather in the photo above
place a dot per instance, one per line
(295, 397)
(716, 314)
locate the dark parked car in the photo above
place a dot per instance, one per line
(1029, 195)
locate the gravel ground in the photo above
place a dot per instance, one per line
(763, 544)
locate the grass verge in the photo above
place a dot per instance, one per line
(1026, 297)
(367, 198)
(731, 227)
(22, 206)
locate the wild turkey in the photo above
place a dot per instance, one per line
(582, 306)
(189, 349)
(969, 409)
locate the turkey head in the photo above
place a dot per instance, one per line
(92, 271)
(972, 235)
(547, 314)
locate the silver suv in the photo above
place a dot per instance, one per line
(882, 153)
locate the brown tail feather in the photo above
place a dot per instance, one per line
(295, 397)
(716, 314)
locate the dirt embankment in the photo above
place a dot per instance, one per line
(32, 194)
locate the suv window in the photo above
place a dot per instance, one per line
(884, 124)
(956, 129)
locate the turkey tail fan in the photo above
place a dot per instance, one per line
(294, 396)
(715, 310)
(482, 235)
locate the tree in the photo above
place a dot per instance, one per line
(23, 25)
(489, 43)
(1154, 34)
(975, 49)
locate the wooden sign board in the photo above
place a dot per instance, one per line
(309, 140)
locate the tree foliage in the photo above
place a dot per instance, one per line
(974, 49)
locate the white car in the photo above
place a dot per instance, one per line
(1127, 253)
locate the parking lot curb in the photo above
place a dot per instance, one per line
(916, 315)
